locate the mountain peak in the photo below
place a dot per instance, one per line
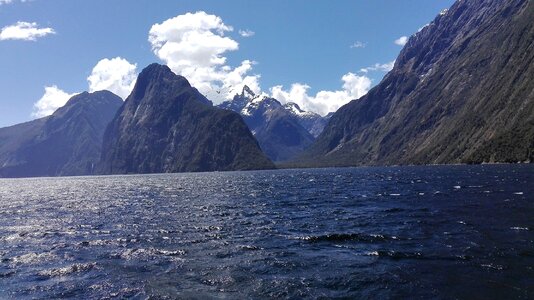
(166, 125)
(157, 72)
(293, 107)
(155, 67)
(247, 92)
(156, 78)
(68, 142)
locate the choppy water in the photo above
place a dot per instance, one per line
(414, 232)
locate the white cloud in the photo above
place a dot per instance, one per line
(246, 33)
(358, 44)
(116, 75)
(379, 67)
(194, 46)
(52, 99)
(24, 31)
(323, 102)
(401, 41)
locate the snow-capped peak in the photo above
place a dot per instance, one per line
(295, 109)
(247, 93)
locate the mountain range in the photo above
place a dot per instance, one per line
(283, 131)
(461, 91)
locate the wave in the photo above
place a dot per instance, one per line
(75, 268)
(520, 228)
(140, 253)
(31, 258)
(342, 237)
(413, 255)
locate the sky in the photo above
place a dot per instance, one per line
(320, 54)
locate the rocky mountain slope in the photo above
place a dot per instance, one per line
(66, 143)
(165, 125)
(461, 91)
(278, 130)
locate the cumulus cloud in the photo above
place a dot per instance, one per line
(358, 44)
(52, 99)
(323, 102)
(401, 41)
(379, 67)
(246, 33)
(194, 45)
(116, 75)
(25, 31)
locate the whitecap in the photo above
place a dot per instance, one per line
(492, 266)
(75, 268)
(33, 258)
(520, 228)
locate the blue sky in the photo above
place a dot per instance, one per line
(310, 52)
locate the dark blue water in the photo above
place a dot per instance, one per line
(409, 232)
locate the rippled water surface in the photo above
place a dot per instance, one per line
(412, 232)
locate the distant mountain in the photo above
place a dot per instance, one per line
(165, 125)
(313, 122)
(65, 143)
(461, 91)
(278, 131)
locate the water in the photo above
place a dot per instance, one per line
(409, 232)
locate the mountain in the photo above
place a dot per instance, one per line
(66, 143)
(461, 91)
(279, 132)
(166, 125)
(313, 122)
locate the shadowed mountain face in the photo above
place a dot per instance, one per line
(279, 131)
(65, 143)
(461, 91)
(165, 125)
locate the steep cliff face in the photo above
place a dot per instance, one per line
(461, 91)
(66, 143)
(165, 125)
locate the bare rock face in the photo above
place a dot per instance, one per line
(165, 125)
(66, 143)
(461, 91)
